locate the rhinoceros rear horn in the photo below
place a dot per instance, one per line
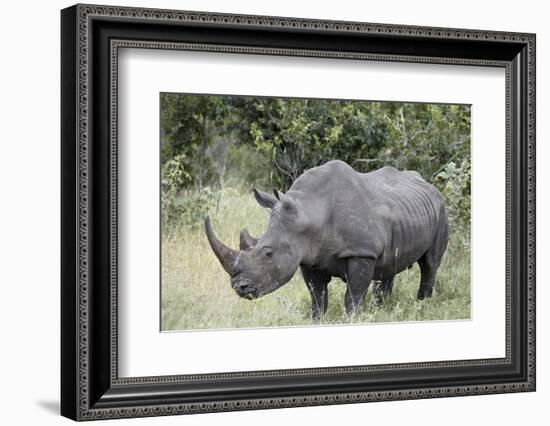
(246, 240)
(227, 256)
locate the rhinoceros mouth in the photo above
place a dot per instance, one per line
(250, 295)
(245, 289)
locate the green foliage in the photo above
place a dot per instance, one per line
(191, 206)
(174, 174)
(242, 142)
(454, 183)
(425, 137)
(178, 206)
(187, 127)
(248, 167)
(297, 134)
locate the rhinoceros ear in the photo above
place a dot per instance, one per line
(289, 206)
(264, 199)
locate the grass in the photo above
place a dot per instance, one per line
(196, 293)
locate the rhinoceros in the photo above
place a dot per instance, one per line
(337, 222)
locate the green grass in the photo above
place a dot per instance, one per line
(196, 293)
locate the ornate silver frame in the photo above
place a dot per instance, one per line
(91, 388)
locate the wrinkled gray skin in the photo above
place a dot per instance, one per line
(336, 222)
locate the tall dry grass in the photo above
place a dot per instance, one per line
(196, 293)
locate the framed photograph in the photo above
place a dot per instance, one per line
(263, 212)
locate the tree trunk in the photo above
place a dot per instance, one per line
(403, 128)
(202, 151)
(222, 184)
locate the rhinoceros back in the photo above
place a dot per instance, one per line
(390, 215)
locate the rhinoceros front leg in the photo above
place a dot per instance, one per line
(316, 282)
(358, 277)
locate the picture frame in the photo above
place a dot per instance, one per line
(90, 384)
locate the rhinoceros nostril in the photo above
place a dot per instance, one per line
(242, 285)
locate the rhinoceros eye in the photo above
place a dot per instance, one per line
(267, 252)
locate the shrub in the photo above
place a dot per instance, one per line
(454, 183)
(183, 207)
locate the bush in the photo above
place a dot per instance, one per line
(454, 183)
(189, 208)
(182, 207)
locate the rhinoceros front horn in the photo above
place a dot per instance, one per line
(227, 256)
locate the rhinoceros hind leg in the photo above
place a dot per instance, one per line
(430, 261)
(316, 282)
(358, 277)
(427, 276)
